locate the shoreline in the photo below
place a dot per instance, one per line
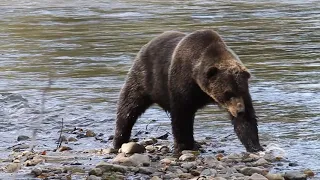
(150, 158)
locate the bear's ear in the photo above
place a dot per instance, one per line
(211, 72)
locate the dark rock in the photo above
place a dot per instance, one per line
(163, 137)
(23, 138)
(110, 137)
(79, 136)
(195, 173)
(19, 147)
(293, 164)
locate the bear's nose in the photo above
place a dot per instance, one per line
(240, 108)
(236, 106)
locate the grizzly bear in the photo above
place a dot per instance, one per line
(183, 73)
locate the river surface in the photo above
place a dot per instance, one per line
(68, 60)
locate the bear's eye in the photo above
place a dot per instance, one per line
(211, 72)
(228, 95)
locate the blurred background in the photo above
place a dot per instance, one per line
(85, 49)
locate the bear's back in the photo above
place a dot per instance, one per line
(152, 63)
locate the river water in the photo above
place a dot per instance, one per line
(69, 59)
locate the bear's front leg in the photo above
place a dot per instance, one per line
(245, 126)
(182, 128)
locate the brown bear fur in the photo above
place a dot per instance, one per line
(183, 73)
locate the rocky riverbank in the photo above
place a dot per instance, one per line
(150, 158)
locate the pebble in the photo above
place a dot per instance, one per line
(187, 157)
(140, 159)
(133, 160)
(260, 162)
(209, 172)
(309, 172)
(155, 178)
(132, 147)
(90, 133)
(12, 167)
(63, 139)
(64, 148)
(95, 172)
(112, 176)
(270, 176)
(189, 165)
(148, 142)
(219, 178)
(210, 161)
(109, 151)
(237, 175)
(36, 160)
(150, 148)
(251, 170)
(107, 167)
(170, 175)
(269, 157)
(179, 171)
(190, 152)
(20, 147)
(72, 139)
(185, 176)
(295, 175)
(228, 170)
(164, 149)
(233, 157)
(23, 138)
(74, 169)
(254, 156)
(93, 177)
(133, 169)
(146, 170)
(166, 161)
(194, 172)
(257, 176)
(36, 172)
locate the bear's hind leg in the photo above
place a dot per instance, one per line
(132, 103)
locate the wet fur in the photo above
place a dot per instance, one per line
(174, 71)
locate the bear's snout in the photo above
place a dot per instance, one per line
(236, 106)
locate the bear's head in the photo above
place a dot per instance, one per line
(221, 75)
